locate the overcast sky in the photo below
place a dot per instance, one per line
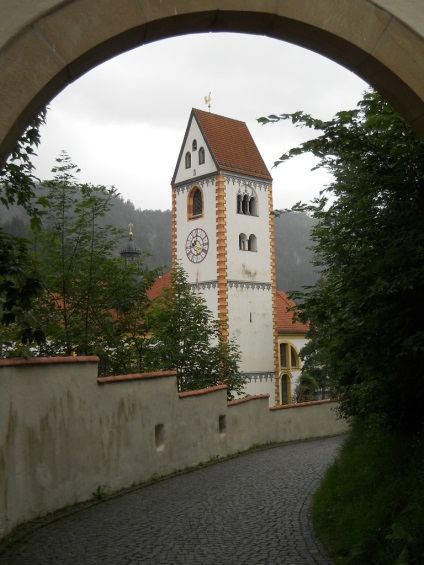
(123, 123)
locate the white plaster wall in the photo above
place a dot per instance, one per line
(62, 434)
(206, 270)
(261, 387)
(206, 168)
(254, 337)
(248, 265)
(211, 298)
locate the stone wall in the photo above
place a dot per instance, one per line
(64, 433)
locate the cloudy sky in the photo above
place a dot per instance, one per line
(123, 123)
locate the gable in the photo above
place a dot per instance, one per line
(197, 168)
(228, 145)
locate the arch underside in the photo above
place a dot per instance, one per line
(51, 43)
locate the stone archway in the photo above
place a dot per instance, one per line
(48, 44)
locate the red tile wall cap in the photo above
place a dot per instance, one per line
(187, 393)
(300, 404)
(48, 360)
(135, 377)
(247, 399)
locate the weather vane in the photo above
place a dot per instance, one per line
(208, 101)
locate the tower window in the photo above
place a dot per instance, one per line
(252, 244)
(245, 204)
(243, 244)
(195, 203)
(188, 160)
(201, 155)
(239, 204)
(194, 145)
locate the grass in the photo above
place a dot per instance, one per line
(369, 509)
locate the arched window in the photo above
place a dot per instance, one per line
(239, 204)
(197, 203)
(188, 160)
(289, 358)
(294, 358)
(252, 206)
(201, 155)
(252, 243)
(285, 388)
(194, 145)
(243, 244)
(245, 204)
(283, 355)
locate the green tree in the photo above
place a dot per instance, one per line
(124, 342)
(73, 249)
(19, 281)
(188, 339)
(86, 288)
(369, 241)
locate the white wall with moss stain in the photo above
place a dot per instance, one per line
(64, 433)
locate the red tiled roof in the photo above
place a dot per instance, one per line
(285, 318)
(160, 283)
(231, 144)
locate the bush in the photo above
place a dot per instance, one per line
(369, 508)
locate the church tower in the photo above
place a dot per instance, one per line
(223, 237)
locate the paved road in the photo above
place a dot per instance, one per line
(249, 510)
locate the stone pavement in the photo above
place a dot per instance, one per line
(249, 510)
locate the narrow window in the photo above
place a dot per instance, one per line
(222, 424)
(160, 437)
(252, 243)
(188, 160)
(197, 203)
(243, 242)
(252, 206)
(201, 156)
(294, 358)
(284, 389)
(239, 204)
(245, 204)
(283, 354)
(194, 145)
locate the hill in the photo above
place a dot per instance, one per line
(152, 232)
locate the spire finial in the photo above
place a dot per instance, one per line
(208, 101)
(131, 227)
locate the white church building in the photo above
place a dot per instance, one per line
(223, 237)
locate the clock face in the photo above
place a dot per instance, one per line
(197, 245)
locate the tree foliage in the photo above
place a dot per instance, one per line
(188, 339)
(19, 281)
(89, 294)
(365, 313)
(17, 179)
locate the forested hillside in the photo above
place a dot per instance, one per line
(152, 232)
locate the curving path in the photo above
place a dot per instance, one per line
(253, 509)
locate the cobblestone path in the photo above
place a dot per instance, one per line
(250, 510)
